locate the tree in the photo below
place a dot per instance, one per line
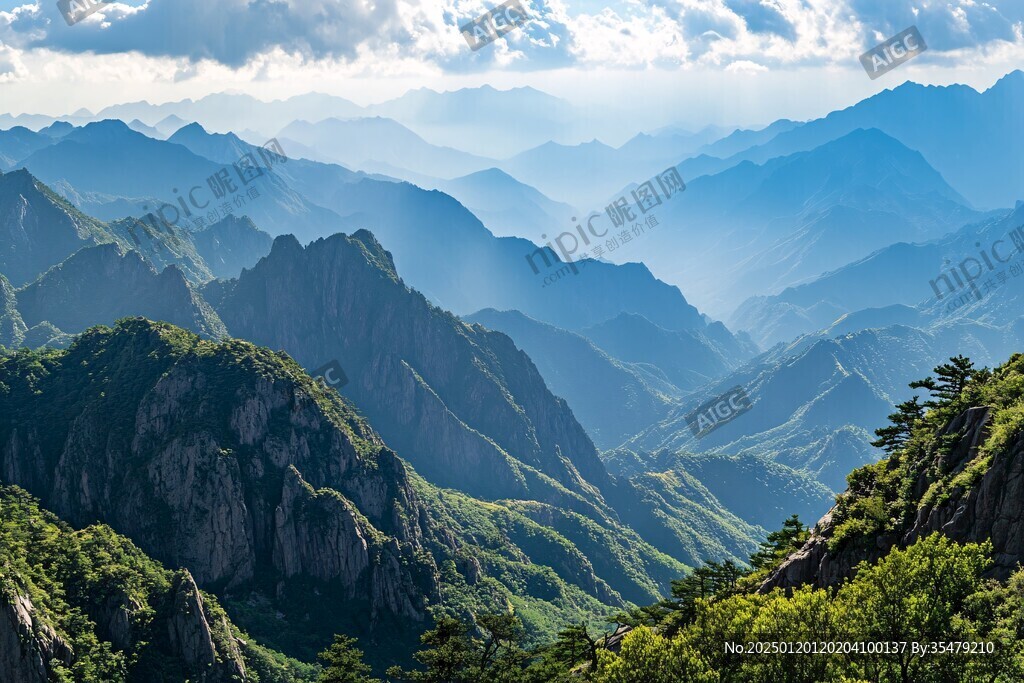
(453, 655)
(906, 417)
(574, 646)
(710, 581)
(779, 544)
(501, 657)
(343, 663)
(647, 657)
(952, 378)
(447, 657)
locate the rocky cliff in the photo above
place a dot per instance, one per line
(88, 605)
(212, 458)
(97, 285)
(962, 475)
(462, 404)
(228, 460)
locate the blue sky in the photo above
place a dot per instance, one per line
(727, 61)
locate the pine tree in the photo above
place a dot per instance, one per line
(343, 663)
(952, 378)
(448, 657)
(779, 544)
(895, 436)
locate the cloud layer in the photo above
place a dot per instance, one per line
(747, 35)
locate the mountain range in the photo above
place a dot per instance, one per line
(513, 434)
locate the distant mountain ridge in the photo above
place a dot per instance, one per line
(971, 138)
(756, 228)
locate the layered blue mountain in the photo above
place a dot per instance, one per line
(756, 229)
(380, 144)
(612, 399)
(506, 206)
(231, 245)
(931, 277)
(39, 229)
(973, 139)
(102, 284)
(18, 142)
(109, 158)
(466, 407)
(687, 358)
(484, 121)
(423, 229)
(234, 111)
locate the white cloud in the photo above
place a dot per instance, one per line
(195, 47)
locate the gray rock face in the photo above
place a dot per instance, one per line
(12, 327)
(463, 404)
(991, 509)
(191, 637)
(98, 285)
(27, 645)
(232, 473)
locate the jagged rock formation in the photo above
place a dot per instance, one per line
(228, 460)
(467, 408)
(98, 285)
(27, 644)
(209, 443)
(191, 638)
(964, 488)
(231, 245)
(89, 605)
(461, 403)
(12, 327)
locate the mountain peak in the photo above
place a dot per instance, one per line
(191, 129)
(19, 179)
(285, 245)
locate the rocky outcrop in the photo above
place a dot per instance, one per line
(318, 534)
(98, 285)
(28, 645)
(12, 327)
(465, 406)
(191, 637)
(224, 459)
(988, 508)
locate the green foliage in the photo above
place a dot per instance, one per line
(73, 578)
(647, 657)
(779, 544)
(933, 591)
(881, 497)
(952, 380)
(343, 663)
(454, 654)
(897, 435)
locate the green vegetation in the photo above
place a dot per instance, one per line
(343, 663)
(933, 591)
(75, 580)
(550, 565)
(924, 450)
